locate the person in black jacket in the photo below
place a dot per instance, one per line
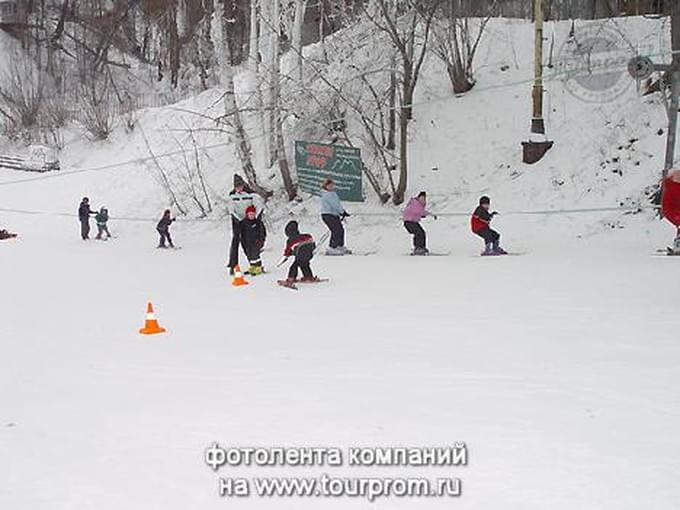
(163, 229)
(84, 213)
(253, 236)
(300, 246)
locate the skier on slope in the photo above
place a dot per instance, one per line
(239, 199)
(414, 212)
(163, 229)
(480, 223)
(102, 218)
(84, 213)
(4, 234)
(254, 235)
(332, 214)
(670, 207)
(300, 246)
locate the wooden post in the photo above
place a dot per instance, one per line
(537, 122)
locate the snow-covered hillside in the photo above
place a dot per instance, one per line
(558, 367)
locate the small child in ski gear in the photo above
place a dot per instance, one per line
(84, 213)
(253, 236)
(163, 228)
(332, 214)
(102, 218)
(414, 212)
(300, 246)
(4, 234)
(480, 224)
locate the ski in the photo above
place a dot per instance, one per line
(431, 254)
(318, 280)
(287, 284)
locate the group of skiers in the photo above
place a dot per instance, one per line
(249, 232)
(101, 217)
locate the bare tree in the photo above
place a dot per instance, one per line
(456, 38)
(408, 24)
(233, 113)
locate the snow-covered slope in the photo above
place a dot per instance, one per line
(559, 367)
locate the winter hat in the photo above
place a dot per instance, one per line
(238, 181)
(292, 229)
(484, 200)
(251, 209)
(422, 194)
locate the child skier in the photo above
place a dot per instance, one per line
(84, 213)
(4, 234)
(332, 214)
(414, 212)
(300, 246)
(163, 228)
(102, 218)
(480, 224)
(253, 235)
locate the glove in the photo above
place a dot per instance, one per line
(494, 213)
(435, 216)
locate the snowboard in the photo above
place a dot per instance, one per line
(431, 254)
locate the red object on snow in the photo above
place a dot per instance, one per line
(670, 204)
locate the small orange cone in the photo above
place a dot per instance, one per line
(239, 280)
(151, 326)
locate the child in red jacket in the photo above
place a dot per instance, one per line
(480, 224)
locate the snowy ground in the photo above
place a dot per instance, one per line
(559, 368)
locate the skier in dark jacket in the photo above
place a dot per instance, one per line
(4, 234)
(163, 229)
(253, 236)
(102, 218)
(84, 213)
(300, 246)
(480, 224)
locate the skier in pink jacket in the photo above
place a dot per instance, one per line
(414, 212)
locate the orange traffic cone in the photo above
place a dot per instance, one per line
(239, 280)
(151, 326)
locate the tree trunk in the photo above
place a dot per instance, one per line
(298, 25)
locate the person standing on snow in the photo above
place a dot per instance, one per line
(163, 229)
(332, 214)
(254, 235)
(240, 198)
(102, 218)
(300, 246)
(414, 212)
(84, 213)
(480, 224)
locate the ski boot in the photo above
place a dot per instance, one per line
(310, 279)
(346, 250)
(255, 270)
(488, 250)
(288, 283)
(420, 251)
(335, 252)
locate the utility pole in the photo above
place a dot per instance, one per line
(642, 68)
(538, 145)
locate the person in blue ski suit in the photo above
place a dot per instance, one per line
(332, 214)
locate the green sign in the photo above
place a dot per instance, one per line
(316, 162)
